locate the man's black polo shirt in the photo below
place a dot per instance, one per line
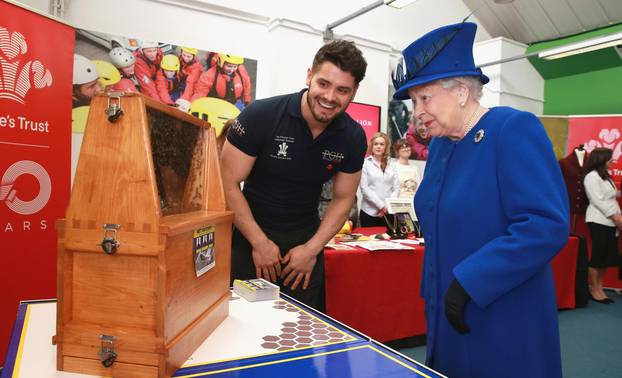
(284, 186)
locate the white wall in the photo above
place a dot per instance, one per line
(395, 27)
(514, 83)
(42, 6)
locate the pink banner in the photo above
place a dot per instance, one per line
(36, 55)
(367, 116)
(595, 132)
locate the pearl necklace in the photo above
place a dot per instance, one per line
(472, 121)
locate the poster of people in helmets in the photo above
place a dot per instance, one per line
(214, 86)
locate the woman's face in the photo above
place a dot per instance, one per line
(421, 130)
(438, 108)
(404, 152)
(186, 57)
(378, 147)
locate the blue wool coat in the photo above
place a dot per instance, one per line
(494, 213)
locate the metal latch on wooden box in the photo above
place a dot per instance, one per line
(114, 111)
(110, 244)
(107, 354)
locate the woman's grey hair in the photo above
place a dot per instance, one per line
(472, 82)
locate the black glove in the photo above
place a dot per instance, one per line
(455, 300)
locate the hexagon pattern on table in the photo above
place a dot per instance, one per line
(307, 331)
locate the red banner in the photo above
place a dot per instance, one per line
(595, 132)
(36, 59)
(600, 131)
(367, 116)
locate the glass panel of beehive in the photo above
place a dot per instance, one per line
(178, 161)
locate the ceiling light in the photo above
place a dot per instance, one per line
(503, 1)
(582, 47)
(399, 4)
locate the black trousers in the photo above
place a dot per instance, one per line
(371, 221)
(243, 267)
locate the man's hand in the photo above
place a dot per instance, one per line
(267, 259)
(299, 263)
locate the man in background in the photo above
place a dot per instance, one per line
(85, 81)
(228, 80)
(148, 59)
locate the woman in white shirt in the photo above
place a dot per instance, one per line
(603, 219)
(406, 170)
(379, 181)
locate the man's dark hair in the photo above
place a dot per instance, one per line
(343, 54)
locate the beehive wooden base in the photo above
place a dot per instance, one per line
(151, 301)
(140, 364)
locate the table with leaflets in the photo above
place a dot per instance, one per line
(378, 292)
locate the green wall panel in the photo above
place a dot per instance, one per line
(588, 83)
(575, 64)
(596, 92)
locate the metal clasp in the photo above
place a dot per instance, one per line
(110, 244)
(107, 354)
(114, 111)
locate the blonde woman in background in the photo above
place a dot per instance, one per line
(379, 180)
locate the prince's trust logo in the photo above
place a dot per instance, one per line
(9, 195)
(332, 156)
(282, 149)
(16, 79)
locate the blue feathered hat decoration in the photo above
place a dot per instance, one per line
(442, 53)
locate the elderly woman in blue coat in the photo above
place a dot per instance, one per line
(494, 212)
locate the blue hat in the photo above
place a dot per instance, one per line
(442, 53)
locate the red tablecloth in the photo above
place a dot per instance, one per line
(378, 292)
(564, 268)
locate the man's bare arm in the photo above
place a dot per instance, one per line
(235, 167)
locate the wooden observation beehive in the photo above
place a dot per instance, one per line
(144, 249)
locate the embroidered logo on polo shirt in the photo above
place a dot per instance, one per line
(238, 128)
(332, 156)
(282, 150)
